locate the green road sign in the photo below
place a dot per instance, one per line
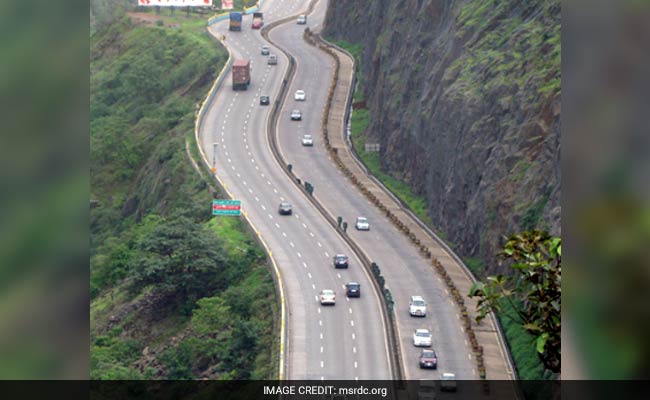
(226, 207)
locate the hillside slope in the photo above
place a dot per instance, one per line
(464, 99)
(175, 293)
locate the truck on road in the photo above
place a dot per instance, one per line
(241, 74)
(235, 21)
(258, 20)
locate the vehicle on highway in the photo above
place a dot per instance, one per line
(362, 224)
(265, 50)
(273, 60)
(327, 296)
(353, 289)
(241, 74)
(422, 338)
(307, 140)
(302, 20)
(258, 20)
(296, 115)
(235, 21)
(265, 100)
(428, 359)
(299, 95)
(284, 208)
(417, 306)
(340, 261)
(448, 382)
(427, 390)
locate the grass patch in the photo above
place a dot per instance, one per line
(231, 231)
(475, 265)
(533, 214)
(522, 348)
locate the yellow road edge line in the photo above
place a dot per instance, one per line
(197, 123)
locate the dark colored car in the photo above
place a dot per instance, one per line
(340, 261)
(284, 208)
(265, 100)
(353, 289)
(428, 359)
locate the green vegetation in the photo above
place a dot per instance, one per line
(522, 347)
(530, 300)
(175, 294)
(531, 217)
(523, 52)
(475, 265)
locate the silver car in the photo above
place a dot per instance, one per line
(307, 140)
(362, 224)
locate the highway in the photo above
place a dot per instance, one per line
(407, 273)
(345, 341)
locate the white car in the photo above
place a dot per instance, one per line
(448, 382)
(296, 115)
(417, 306)
(362, 224)
(307, 140)
(302, 20)
(422, 338)
(327, 296)
(299, 96)
(265, 50)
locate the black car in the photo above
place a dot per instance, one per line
(353, 289)
(284, 208)
(340, 261)
(265, 100)
(428, 359)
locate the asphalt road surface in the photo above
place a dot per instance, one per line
(345, 341)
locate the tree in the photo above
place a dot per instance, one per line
(533, 291)
(181, 259)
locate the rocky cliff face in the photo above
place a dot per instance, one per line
(464, 98)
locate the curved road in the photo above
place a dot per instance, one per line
(346, 341)
(407, 273)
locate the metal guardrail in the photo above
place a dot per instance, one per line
(396, 366)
